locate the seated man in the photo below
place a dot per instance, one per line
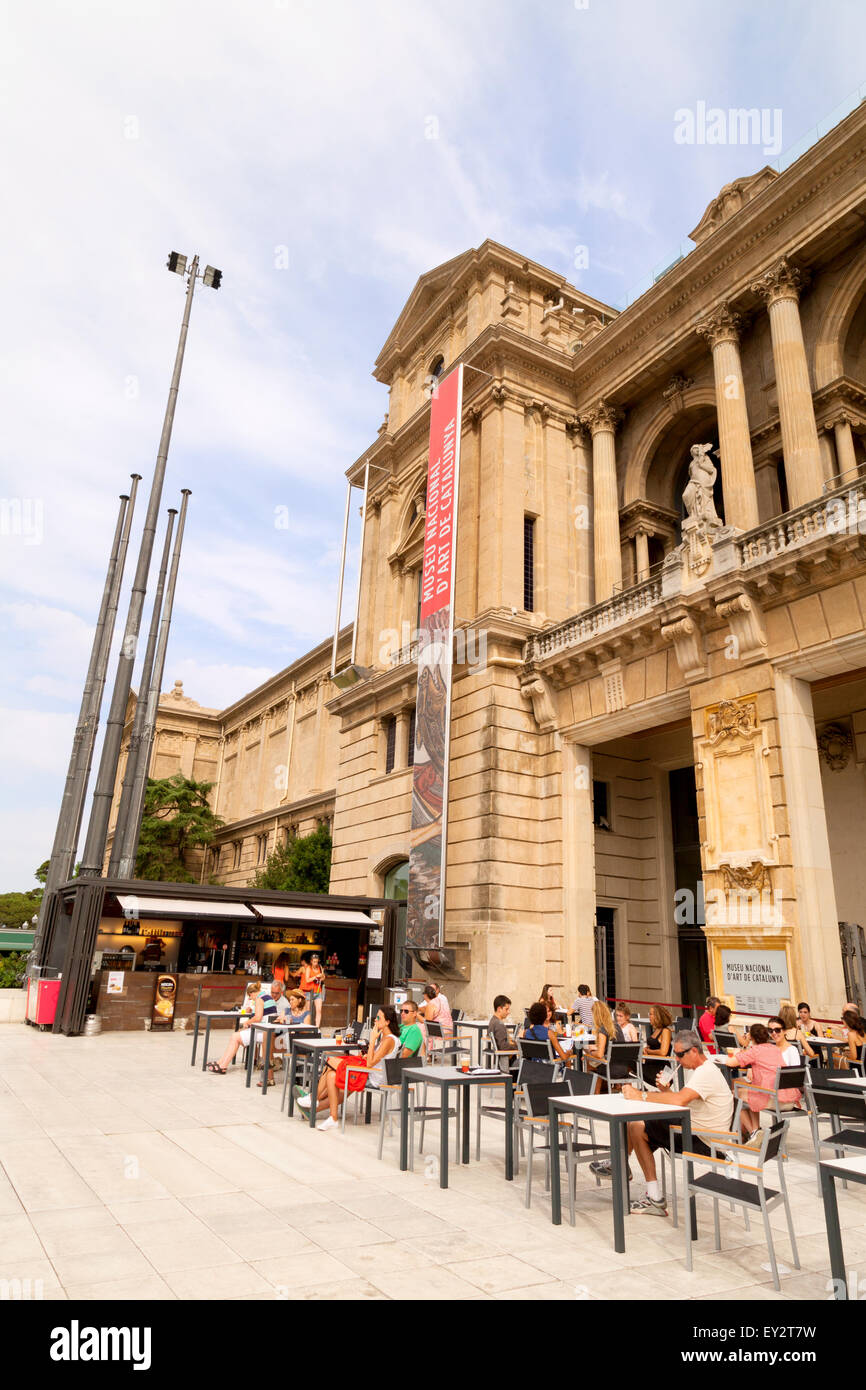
(709, 1100)
(502, 1039)
(411, 1034)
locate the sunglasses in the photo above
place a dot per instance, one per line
(774, 1030)
(406, 1011)
(682, 1054)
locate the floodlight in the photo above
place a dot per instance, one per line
(176, 262)
(212, 277)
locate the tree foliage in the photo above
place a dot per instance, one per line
(299, 866)
(17, 909)
(177, 819)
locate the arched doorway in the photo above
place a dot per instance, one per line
(395, 885)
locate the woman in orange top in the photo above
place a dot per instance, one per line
(312, 984)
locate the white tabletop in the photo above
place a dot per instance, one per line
(483, 1023)
(219, 1013)
(856, 1081)
(326, 1044)
(455, 1074)
(616, 1106)
(826, 1042)
(846, 1167)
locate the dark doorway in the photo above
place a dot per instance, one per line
(605, 953)
(688, 885)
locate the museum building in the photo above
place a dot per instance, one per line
(658, 736)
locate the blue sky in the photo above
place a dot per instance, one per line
(288, 142)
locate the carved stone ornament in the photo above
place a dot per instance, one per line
(836, 746)
(753, 878)
(781, 281)
(536, 689)
(614, 687)
(745, 619)
(674, 392)
(685, 635)
(732, 719)
(721, 326)
(601, 416)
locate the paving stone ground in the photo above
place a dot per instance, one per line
(126, 1173)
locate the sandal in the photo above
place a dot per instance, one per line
(216, 1068)
(271, 1081)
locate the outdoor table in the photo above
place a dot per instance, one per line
(829, 1043)
(479, 1026)
(854, 1170)
(315, 1047)
(615, 1111)
(267, 1031)
(210, 1015)
(841, 1080)
(445, 1078)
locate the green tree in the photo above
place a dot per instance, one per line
(17, 909)
(177, 819)
(299, 866)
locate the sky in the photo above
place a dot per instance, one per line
(323, 154)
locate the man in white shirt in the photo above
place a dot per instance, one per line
(709, 1099)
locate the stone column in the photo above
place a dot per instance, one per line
(779, 287)
(845, 455)
(812, 868)
(828, 454)
(578, 866)
(601, 421)
(401, 742)
(641, 545)
(722, 331)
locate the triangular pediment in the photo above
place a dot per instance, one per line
(429, 288)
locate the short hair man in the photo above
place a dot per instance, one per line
(411, 1036)
(502, 1039)
(582, 1005)
(706, 1094)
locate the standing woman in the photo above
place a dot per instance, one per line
(312, 983)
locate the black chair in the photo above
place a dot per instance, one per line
(536, 1121)
(535, 1051)
(788, 1079)
(450, 1049)
(622, 1062)
(837, 1104)
(724, 1038)
(683, 1024)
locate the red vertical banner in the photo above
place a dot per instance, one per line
(426, 907)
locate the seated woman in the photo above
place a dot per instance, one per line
(794, 1034)
(546, 998)
(258, 1005)
(856, 1035)
(764, 1059)
(606, 1032)
(658, 1046)
(538, 1030)
(622, 1014)
(384, 1043)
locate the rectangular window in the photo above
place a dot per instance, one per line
(390, 742)
(237, 857)
(262, 848)
(410, 755)
(601, 805)
(529, 563)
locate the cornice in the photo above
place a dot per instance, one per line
(769, 219)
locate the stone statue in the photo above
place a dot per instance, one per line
(698, 493)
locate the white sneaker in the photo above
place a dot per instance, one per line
(328, 1124)
(304, 1102)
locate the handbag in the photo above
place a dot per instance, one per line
(357, 1079)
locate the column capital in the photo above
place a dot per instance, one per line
(721, 326)
(782, 281)
(601, 418)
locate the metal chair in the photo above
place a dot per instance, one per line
(724, 1038)
(789, 1079)
(450, 1049)
(625, 1059)
(394, 1067)
(748, 1193)
(837, 1104)
(303, 1073)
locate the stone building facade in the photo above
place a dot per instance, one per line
(658, 734)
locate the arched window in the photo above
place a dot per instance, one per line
(436, 367)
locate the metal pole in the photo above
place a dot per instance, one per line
(97, 831)
(141, 704)
(132, 828)
(360, 561)
(342, 574)
(62, 858)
